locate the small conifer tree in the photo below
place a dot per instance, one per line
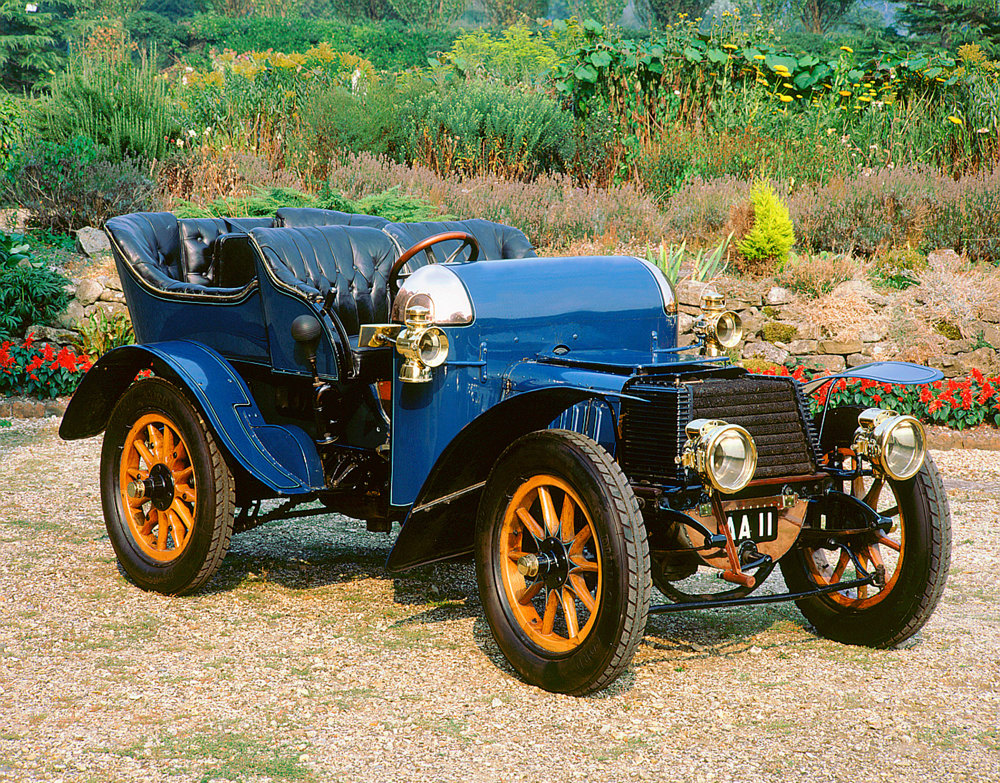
(771, 236)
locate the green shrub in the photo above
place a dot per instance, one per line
(101, 333)
(30, 292)
(67, 186)
(490, 127)
(898, 268)
(11, 128)
(771, 235)
(429, 13)
(518, 54)
(775, 332)
(38, 370)
(124, 107)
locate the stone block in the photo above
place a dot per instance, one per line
(826, 362)
(107, 295)
(73, 317)
(839, 347)
(872, 335)
(53, 335)
(766, 351)
(991, 315)
(951, 366)
(777, 296)
(685, 323)
(861, 289)
(92, 241)
(857, 359)
(88, 292)
(802, 347)
(689, 292)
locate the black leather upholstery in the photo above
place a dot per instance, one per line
(353, 262)
(303, 217)
(495, 240)
(199, 237)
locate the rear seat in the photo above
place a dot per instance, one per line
(303, 217)
(200, 244)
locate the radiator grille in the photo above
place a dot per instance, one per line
(771, 410)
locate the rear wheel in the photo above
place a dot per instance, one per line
(562, 562)
(167, 492)
(913, 556)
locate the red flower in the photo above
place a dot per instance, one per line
(33, 376)
(28, 340)
(877, 397)
(934, 405)
(966, 399)
(925, 395)
(47, 353)
(977, 375)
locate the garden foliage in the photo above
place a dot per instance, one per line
(30, 292)
(39, 370)
(770, 236)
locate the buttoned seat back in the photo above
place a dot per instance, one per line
(352, 262)
(304, 217)
(200, 243)
(495, 239)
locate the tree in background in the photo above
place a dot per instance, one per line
(429, 13)
(820, 16)
(606, 12)
(32, 37)
(667, 11)
(949, 21)
(504, 13)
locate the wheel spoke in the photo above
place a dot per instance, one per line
(137, 473)
(184, 513)
(890, 512)
(874, 555)
(156, 441)
(551, 605)
(858, 486)
(888, 542)
(583, 593)
(873, 492)
(182, 475)
(149, 521)
(168, 445)
(838, 572)
(548, 511)
(145, 453)
(529, 593)
(530, 524)
(581, 538)
(580, 563)
(567, 527)
(569, 609)
(161, 530)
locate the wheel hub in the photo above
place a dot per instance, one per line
(159, 487)
(551, 563)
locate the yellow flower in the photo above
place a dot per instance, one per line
(847, 49)
(787, 86)
(953, 119)
(731, 47)
(758, 57)
(785, 98)
(845, 93)
(864, 98)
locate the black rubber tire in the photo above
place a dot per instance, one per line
(608, 648)
(213, 518)
(926, 519)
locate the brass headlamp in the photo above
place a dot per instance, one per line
(422, 345)
(718, 327)
(723, 454)
(893, 442)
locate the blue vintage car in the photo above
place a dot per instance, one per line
(535, 412)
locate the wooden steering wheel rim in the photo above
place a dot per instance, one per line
(423, 244)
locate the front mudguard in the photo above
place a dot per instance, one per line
(282, 458)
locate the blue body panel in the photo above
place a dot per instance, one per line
(526, 310)
(283, 458)
(232, 326)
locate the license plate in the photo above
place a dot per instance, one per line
(755, 524)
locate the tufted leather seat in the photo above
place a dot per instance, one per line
(302, 217)
(200, 242)
(353, 262)
(148, 243)
(495, 240)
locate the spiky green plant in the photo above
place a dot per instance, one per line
(771, 236)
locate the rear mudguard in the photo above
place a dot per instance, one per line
(283, 458)
(441, 524)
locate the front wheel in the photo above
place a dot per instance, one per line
(167, 492)
(562, 562)
(914, 557)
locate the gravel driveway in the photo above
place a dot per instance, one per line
(304, 660)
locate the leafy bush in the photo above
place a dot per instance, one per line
(518, 54)
(11, 128)
(38, 370)
(68, 186)
(898, 268)
(388, 44)
(487, 127)
(30, 292)
(124, 107)
(771, 235)
(101, 333)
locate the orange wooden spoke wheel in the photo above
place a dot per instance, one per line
(158, 494)
(551, 567)
(886, 550)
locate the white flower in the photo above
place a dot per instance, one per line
(982, 130)
(180, 142)
(189, 69)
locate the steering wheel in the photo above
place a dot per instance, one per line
(467, 240)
